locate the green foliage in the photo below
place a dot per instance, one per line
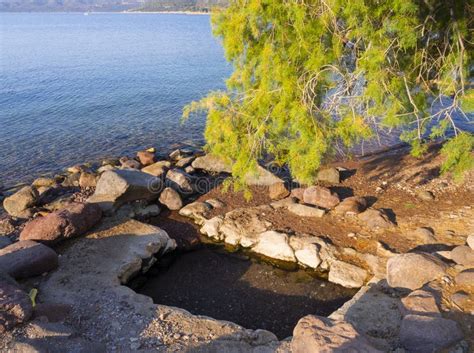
(459, 154)
(313, 77)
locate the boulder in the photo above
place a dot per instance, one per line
(196, 211)
(306, 250)
(426, 195)
(298, 193)
(465, 278)
(284, 203)
(376, 219)
(127, 163)
(278, 191)
(424, 235)
(157, 169)
(54, 312)
(211, 227)
(470, 241)
(146, 157)
(19, 202)
(215, 203)
(71, 221)
(171, 199)
(320, 196)
(212, 164)
(15, 306)
(180, 181)
(72, 180)
(425, 334)
(27, 258)
(243, 225)
(44, 182)
(351, 206)
(413, 270)
(463, 255)
(317, 334)
(420, 302)
(262, 177)
(87, 180)
(464, 300)
(6, 226)
(185, 162)
(347, 275)
(117, 187)
(306, 211)
(329, 175)
(274, 245)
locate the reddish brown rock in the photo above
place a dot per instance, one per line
(298, 193)
(352, 205)
(15, 306)
(146, 157)
(320, 196)
(315, 334)
(27, 258)
(71, 221)
(278, 191)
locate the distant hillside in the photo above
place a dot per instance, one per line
(182, 5)
(109, 5)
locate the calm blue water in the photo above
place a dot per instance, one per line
(76, 88)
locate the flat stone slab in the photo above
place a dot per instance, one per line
(319, 334)
(424, 334)
(90, 280)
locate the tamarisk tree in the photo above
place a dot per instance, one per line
(312, 77)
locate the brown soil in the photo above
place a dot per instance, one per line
(399, 178)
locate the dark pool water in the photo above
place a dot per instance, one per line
(230, 286)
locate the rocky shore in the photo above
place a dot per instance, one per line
(387, 225)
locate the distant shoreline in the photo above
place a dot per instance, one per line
(192, 13)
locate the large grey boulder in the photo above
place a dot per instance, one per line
(211, 163)
(116, 187)
(73, 220)
(18, 203)
(322, 335)
(425, 334)
(15, 306)
(347, 275)
(27, 258)
(413, 270)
